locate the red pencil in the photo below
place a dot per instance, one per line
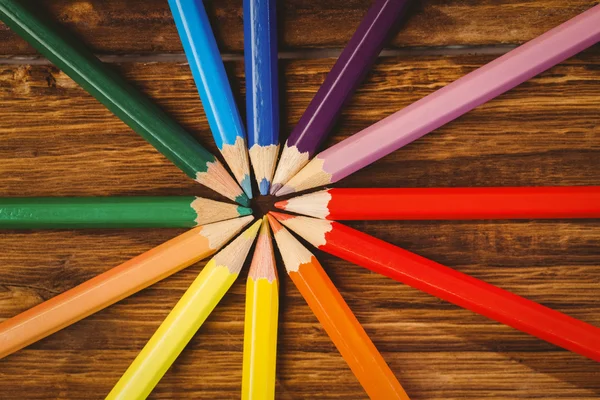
(448, 203)
(447, 284)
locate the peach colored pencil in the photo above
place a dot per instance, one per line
(116, 284)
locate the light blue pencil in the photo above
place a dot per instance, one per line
(213, 86)
(262, 89)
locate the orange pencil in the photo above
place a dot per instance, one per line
(116, 284)
(337, 319)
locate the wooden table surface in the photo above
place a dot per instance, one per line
(56, 140)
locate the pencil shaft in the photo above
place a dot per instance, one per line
(340, 83)
(174, 333)
(131, 106)
(346, 74)
(115, 284)
(463, 95)
(112, 212)
(213, 85)
(448, 103)
(260, 339)
(450, 203)
(262, 86)
(463, 290)
(345, 331)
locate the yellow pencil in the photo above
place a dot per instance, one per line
(185, 319)
(260, 328)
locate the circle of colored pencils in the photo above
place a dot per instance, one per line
(448, 103)
(447, 284)
(448, 203)
(211, 80)
(260, 324)
(346, 74)
(185, 319)
(262, 88)
(116, 284)
(113, 212)
(337, 319)
(127, 103)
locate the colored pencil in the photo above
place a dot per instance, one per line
(346, 74)
(337, 319)
(116, 284)
(448, 103)
(185, 319)
(448, 284)
(448, 203)
(262, 88)
(113, 212)
(127, 103)
(260, 325)
(209, 73)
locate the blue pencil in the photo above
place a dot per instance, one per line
(262, 92)
(213, 86)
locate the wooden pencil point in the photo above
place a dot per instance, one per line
(263, 261)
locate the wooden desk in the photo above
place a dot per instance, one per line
(56, 140)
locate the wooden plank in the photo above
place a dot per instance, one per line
(55, 140)
(544, 132)
(146, 26)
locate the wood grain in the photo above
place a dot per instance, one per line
(55, 140)
(146, 26)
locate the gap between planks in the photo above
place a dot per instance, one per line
(310, 54)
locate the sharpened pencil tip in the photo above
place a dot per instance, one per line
(281, 216)
(285, 189)
(275, 225)
(281, 204)
(244, 211)
(246, 185)
(274, 188)
(263, 187)
(243, 200)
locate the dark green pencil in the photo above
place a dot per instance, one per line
(131, 106)
(113, 212)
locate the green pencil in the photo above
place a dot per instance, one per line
(113, 212)
(131, 106)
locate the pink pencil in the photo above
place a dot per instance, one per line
(448, 103)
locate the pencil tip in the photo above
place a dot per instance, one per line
(263, 186)
(281, 204)
(275, 225)
(285, 189)
(243, 200)
(280, 216)
(244, 211)
(246, 185)
(274, 188)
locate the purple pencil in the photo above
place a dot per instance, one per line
(346, 74)
(448, 103)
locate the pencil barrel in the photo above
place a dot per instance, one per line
(464, 290)
(130, 105)
(260, 339)
(96, 212)
(465, 203)
(345, 331)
